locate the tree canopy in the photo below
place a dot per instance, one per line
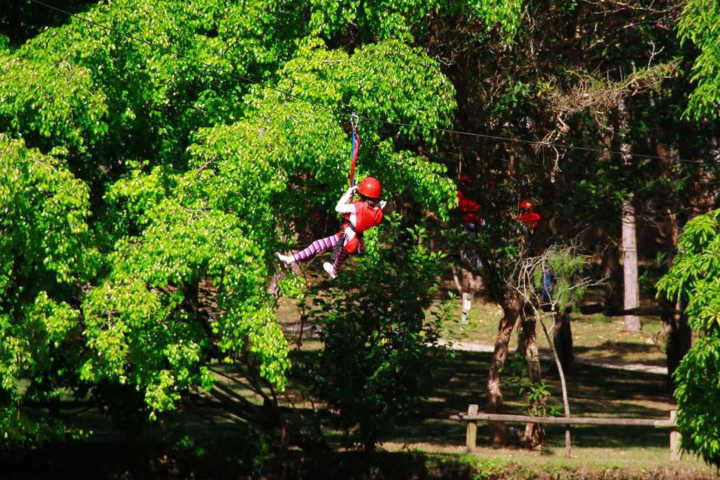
(156, 154)
(167, 171)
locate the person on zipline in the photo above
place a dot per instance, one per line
(358, 217)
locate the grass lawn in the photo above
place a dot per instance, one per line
(430, 444)
(593, 391)
(594, 336)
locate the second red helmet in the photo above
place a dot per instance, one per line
(525, 205)
(370, 187)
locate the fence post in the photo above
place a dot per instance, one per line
(675, 438)
(471, 432)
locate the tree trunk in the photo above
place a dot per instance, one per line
(631, 294)
(678, 334)
(563, 386)
(511, 311)
(563, 341)
(533, 435)
(611, 269)
(705, 191)
(630, 266)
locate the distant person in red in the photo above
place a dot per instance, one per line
(358, 217)
(528, 217)
(469, 215)
(530, 220)
(471, 222)
(468, 208)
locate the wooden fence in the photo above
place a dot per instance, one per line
(473, 416)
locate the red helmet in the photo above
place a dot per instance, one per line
(526, 205)
(370, 187)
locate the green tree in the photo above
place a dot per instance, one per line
(367, 20)
(133, 80)
(695, 278)
(205, 134)
(698, 24)
(375, 364)
(218, 223)
(557, 294)
(188, 177)
(46, 259)
(538, 105)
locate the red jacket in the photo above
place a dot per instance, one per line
(468, 208)
(363, 218)
(530, 219)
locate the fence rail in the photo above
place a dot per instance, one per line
(472, 417)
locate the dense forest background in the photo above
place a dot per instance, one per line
(156, 154)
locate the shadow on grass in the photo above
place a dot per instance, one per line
(616, 351)
(592, 391)
(608, 436)
(219, 453)
(213, 443)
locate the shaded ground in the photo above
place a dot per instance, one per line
(546, 354)
(125, 462)
(209, 440)
(595, 336)
(592, 391)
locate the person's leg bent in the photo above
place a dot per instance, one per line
(318, 246)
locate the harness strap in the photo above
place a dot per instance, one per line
(355, 149)
(341, 241)
(338, 248)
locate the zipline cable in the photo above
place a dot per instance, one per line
(347, 107)
(93, 22)
(538, 142)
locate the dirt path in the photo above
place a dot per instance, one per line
(310, 332)
(634, 367)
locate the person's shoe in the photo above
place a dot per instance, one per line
(286, 259)
(330, 269)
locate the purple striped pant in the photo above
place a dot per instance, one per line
(318, 246)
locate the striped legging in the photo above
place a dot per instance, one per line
(318, 246)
